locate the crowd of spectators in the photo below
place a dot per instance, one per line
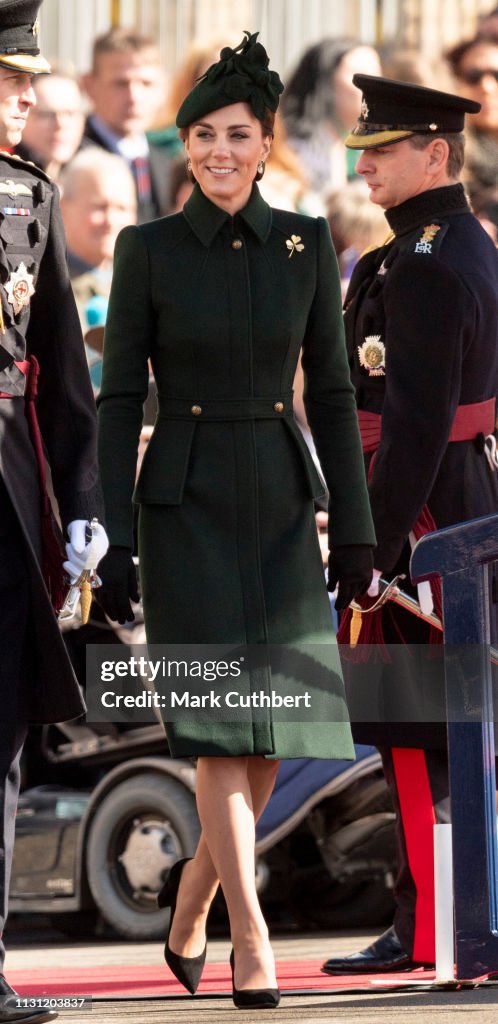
(109, 139)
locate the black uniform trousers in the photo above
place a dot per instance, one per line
(15, 658)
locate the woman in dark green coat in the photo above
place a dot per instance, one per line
(222, 299)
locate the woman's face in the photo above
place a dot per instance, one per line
(477, 75)
(225, 148)
(346, 98)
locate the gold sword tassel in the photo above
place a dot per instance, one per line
(355, 627)
(86, 597)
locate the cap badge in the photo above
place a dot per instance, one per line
(14, 188)
(364, 109)
(294, 244)
(36, 27)
(425, 241)
(372, 355)
(20, 288)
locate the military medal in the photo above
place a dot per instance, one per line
(17, 211)
(20, 288)
(14, 188)
(372, 355)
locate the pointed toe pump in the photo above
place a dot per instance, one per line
(253, 998)
(187, 969)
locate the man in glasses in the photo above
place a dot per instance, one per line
(54, 128)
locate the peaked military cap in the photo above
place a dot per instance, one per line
(392, 110)
(241, 75)
(19, 27)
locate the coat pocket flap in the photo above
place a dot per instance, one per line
(316, 485)
(165, 463)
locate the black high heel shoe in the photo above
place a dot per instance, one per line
(253, 998)
(187, 969)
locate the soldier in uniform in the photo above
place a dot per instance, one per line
(421, 317)
(39, 329)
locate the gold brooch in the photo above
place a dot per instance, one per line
(372, 356)
(294, 244)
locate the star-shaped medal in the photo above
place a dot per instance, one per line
(372, 355)
(20, 288)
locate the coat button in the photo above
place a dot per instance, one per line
(196, 410)
(237, 243)
(279, 406)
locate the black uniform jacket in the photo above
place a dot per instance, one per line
(427, 301)
(32, 256)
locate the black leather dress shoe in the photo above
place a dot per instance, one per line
(386, 954)
(13, 1013)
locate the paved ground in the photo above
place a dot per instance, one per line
(44, 949)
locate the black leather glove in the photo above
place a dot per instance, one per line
(350, 566)
(119, 584)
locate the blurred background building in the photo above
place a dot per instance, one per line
(286, 26)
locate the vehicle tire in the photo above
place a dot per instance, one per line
(139, 830)
(363, 900)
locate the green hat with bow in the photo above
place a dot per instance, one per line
(241, 75)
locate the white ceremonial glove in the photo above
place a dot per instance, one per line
(83, 553)
(373, 590)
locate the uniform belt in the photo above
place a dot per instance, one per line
(470, 420)
(24, 366)
(271, 408)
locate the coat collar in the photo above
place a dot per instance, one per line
(437, 202)
(206, 219)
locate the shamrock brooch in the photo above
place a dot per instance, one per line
(294, 244)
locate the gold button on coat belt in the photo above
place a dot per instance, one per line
(251, 407)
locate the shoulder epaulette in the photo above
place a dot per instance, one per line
(18, 161)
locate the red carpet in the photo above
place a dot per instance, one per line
(156, 980)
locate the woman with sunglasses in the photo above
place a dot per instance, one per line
(474, 64)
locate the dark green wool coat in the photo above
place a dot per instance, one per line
(227, 539)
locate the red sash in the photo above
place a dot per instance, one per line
(469, 421)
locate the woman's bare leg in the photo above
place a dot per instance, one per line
(200, 878)
(227, 813)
